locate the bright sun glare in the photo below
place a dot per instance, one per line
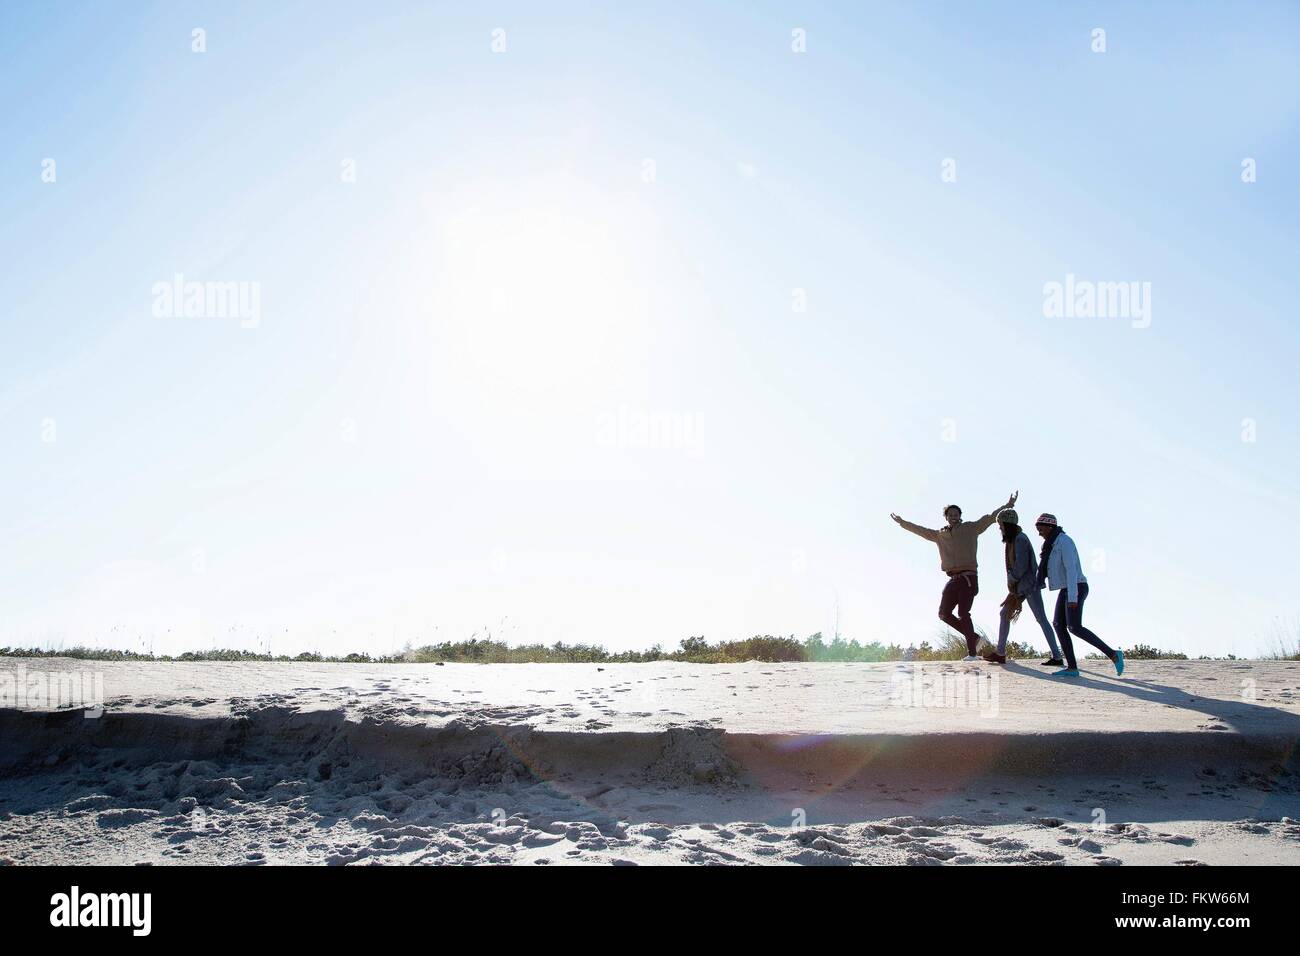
(540, 298)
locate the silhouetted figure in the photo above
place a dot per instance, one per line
(1023, 587)
(958, 543)
(1059, 566)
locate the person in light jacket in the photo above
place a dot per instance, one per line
(1059, 566)
(1022, 588)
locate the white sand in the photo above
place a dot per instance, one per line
(1177, 762)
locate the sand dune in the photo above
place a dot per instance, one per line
(1179, 762)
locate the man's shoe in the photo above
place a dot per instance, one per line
(1052, 662)
(995, 658)
(1119, 662)
(970, 658)
(1066, 672)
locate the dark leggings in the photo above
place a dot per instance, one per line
(1069, 620)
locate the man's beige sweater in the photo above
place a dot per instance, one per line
(957, 546)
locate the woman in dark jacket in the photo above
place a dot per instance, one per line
(1022, 587)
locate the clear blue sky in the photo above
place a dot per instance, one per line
(414, 442)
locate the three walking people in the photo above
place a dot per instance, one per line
(1057, 567)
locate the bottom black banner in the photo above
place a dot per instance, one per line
(334, 905)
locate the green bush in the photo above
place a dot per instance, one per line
(1145, 652)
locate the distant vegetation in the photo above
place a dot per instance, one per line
(1145, 652)
(947, 646)
(1284, 642)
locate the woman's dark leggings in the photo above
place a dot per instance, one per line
(1069, 620)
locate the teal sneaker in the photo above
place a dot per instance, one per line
(1119, 662)
(1066, 672)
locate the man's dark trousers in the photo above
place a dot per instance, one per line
(960, 593)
